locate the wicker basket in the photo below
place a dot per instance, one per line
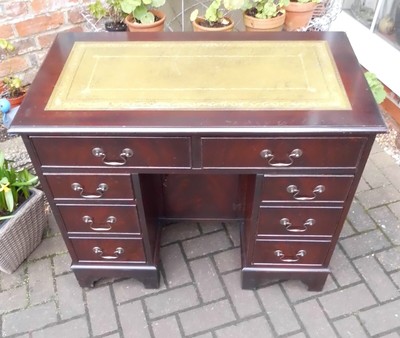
(20, 235)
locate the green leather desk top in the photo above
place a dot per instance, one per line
(206, 75)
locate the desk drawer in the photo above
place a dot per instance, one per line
(90, 187)
(100, 219)
(307, 188)
(332, 152)
(109, 250)
(149, 152)
(298, 221)
(290, 252)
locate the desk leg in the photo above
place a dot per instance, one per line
(88, 276)
(252, 278)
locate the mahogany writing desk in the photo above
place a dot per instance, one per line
(127, 131)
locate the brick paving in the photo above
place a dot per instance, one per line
(200, 294)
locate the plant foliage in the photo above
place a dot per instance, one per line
(267, 9)
(376, 87)
(307, 1)
(13, 86)
(109, 8)
(217, 10)
(139, 9)
(14, 187)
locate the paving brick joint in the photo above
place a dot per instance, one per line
(200, 294)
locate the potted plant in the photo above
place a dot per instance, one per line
(22, 215)
(215, 18)
(112, 11)
(142, 15)
(13, 90)
(264, 15)
(6, 48)
(299, 13)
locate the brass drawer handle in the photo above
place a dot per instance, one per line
(102, 187)
(289, 226)
(125, 154)
(118, 252)
(296, 258)
(268, 155)
(106, 227)
(292, 189)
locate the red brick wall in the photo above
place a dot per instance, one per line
(31, 25)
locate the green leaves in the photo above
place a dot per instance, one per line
(6, 191)
(231, 5)
(129, 6)
(306, 1)
(139, 9)
(267, 9)
(13, 185)
(7, 46)
(376, 87)
(213, 14)
(97, 10)
(158, 3)
(13, 85)
(194, 15)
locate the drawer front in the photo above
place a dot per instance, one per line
(90, 186)
(109, 250)
(307, 188)
(104, 219)
(290, 252)
(298, 221)
(149, 152)
(299, 152)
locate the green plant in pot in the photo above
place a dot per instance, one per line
(22, 215)
(264, 15)
(13, 90)
(215, 17)
(143, 16)
(110, 10)
(299, 14)
(11, 86)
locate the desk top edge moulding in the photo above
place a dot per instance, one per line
(311, 84)
(122, 151)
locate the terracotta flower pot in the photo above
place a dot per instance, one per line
(253, 24)
(298, 15)
(16, 101)
(157, 26)
(197, 27)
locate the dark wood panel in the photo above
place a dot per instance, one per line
(291, 252)
(118, 186)
(102, 219)
(317, 188)
(298, 221)
(281, 153)
(149, 152)
(132, 250)
(202, 196)
(149, 188)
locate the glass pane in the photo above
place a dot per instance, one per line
(388, 23)
(362, 10)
